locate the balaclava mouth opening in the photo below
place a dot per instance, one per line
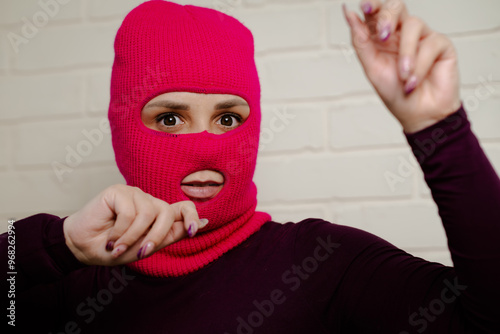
(165, 47)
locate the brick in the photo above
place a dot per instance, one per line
(13, 11)
(249, 2)
(39, 191)
(292, 213)
(288, 1)
(291, 128)
(100, 178)
(230, 7)
(275, 29)
(424, 189)
(484, 117)
(481, 15)
(493, 153)
(6, 51)
(109, 8)
(465, 16)
(324, 176)
(40, 96)
(366, 124)
(4, 146)
(496, 89)
(479, 57)
(34, 192)
(44, 143)
(311, 76)
(112, 8)
(409, 225)
(337, 28)
(69, 46)
(98, 91)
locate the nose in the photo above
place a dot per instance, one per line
(199, 126)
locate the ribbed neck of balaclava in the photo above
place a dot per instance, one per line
(164, 47)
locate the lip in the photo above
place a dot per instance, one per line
(201, 191)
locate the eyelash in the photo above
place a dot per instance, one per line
(161, 117)
(238, 117)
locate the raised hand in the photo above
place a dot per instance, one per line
(412, 68)
(123, 224)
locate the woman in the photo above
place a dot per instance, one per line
(181, 247)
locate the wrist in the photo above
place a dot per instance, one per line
(421, 124)
(69, 241)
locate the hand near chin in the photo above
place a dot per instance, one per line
(123, 224)
(412, 68)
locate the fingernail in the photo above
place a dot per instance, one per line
(119, 250)
(366, 7)
(145, 250)
(385, 32)
(405, 67)
(411, 84)
(193, 228)
(204, 222)
(109, 246)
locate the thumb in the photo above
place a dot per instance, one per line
(360, 37)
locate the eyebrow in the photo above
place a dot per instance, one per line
(182, 106)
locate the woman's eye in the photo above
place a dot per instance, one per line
(229, 120)
(171, 120)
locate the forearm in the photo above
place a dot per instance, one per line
(467, 191)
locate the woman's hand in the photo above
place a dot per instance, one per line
(123, 224)
(412, 68)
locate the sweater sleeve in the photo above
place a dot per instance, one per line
(40, 252)
(377, 288)
(467, 191)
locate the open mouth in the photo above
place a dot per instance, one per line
(203, 185)
(201, 191)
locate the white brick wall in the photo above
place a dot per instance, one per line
(327, 140)
(48, 95)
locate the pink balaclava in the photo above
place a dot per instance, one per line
(164, 47)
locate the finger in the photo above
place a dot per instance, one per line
(389, 18)
(186, 212)
(158, 232)
(360, 37)
(412, 31)
(176, 232)
(122, 204)
(145, 217)
(370, 10)
(432, 48)
(370, 7)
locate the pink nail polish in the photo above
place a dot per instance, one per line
(145, 250)
(405, 67)
(411, 84)
(204, 222)
(193, 228)
(140, 252)
(366, 7)
(119, 250)
(385, 32)
(109, 246)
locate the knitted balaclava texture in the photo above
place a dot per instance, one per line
(164, 47)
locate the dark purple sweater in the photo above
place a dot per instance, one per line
(308, 277)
